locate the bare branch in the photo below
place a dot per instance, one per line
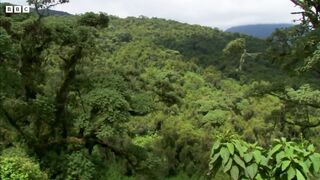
(311, 12)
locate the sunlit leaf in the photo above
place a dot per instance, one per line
(224, 154)
(299, 175)
(234, 172)
(248, 157)
(252, 170)
(285, 165)
(275, 149)
(315, 162)
(228, 166)
(239, 161)
(230, 147)
(257, 156)
(291, 173)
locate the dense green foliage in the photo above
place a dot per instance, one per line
(101, 97)
(284, 160)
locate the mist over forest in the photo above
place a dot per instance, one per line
(96, 96)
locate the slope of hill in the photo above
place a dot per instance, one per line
(257, 30)
(202, 44)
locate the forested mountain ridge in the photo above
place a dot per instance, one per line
(193, 41)
(258, 30)
(54, 12)
(101, 97)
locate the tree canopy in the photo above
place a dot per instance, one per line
(94, 96)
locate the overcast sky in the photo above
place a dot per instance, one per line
(214, 13)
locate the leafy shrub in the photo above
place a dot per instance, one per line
(284, 160)
(92, 19)
(216, 117)
(79, 167)
(16, 165)
(290, 160)
(142, 103)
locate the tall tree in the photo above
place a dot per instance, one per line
(311, 11)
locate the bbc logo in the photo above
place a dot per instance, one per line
(17, 9)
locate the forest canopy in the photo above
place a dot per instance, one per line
(95, 96)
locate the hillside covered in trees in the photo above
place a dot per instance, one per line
(95, 96)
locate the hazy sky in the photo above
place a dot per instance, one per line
(214, 13)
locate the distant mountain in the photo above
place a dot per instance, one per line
(258, 30)
(55, 13)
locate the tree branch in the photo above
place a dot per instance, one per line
(61, 97)
(13, 123)
(286, 99)
(304, 124)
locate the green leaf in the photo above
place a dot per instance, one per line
(228, 166)
(264, 161)
(234, 172)
(275, 149)
(214, 159)
(248, 157)
(291, 173)
(280, 156)
(215, 146)
(311, 148)
(302, 164)
(299, 175)
(285, 165)
(258, 177)
(298, 149)
(289, 152)
(315, 162)
(230, 147)
(239, 148)
(237, 159)
(252, 170)
(224, 153)
(257, 156)
(306, 153)
(283, 139)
